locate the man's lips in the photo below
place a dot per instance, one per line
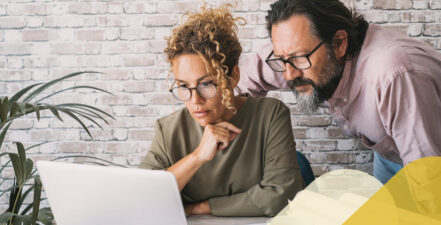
(200, 114)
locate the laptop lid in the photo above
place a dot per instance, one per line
(98, 195)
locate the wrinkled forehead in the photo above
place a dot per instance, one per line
(292, 36)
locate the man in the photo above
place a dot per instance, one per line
(380, 86)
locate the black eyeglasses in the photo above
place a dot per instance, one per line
(300, 62)
(205, 90)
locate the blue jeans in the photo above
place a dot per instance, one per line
(384, 169)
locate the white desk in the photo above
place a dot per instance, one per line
(214, 220)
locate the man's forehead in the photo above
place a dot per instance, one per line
(291, 35)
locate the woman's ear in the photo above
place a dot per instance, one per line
(235, 76)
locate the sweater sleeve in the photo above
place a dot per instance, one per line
(281, 176)
(156, 158)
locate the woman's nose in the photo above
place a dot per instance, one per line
(196, 98)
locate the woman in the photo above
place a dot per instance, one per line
(231, 155)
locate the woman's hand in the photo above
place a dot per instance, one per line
(197, 208)
(215, 138)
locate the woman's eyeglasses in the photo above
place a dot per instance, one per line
(205, 90)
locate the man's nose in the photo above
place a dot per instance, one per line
(291, 73)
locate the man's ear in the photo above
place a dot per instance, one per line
(235, 76)
(340, 43)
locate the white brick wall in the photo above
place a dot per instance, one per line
(43, 39)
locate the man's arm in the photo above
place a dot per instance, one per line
(256, 77)
(410, 108)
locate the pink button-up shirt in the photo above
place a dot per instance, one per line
(389, 95)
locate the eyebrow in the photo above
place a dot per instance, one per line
(291, 54)
(183, 81)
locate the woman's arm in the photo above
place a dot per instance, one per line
(215, 138)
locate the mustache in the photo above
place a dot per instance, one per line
(300, 81)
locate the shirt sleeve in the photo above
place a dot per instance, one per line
(281, 176)
(256, 77)
(156, 158)
(410, 109)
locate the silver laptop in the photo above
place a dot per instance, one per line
(97, 195)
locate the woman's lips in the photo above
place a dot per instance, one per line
(200, 114)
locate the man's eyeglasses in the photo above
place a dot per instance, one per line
(300, 62)
(205, 90)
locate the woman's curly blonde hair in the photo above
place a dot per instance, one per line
(212, 34)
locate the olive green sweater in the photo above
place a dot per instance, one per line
(254, 176)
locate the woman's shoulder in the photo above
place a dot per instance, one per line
(267, 104)
(174, 119)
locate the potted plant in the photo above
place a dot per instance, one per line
(26, 181)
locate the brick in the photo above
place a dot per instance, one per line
(248, 6)
(34, 21)
(115, 100)
(123, 20)
(40, 61)
(13, 35)
(299, 133)
(68, 48)
(73, 147)
(15, 62)
(415, 29)
(417, 16)
(65, 35)
(15, 75)
(319, 170)
(136, 111)
(2, 10)
(41, 48)
(122, 147)
(347, 144)
(64, 21)
(89, 8)
(177, 6)
(117, 47)
(115, 74)
(420, 4)
(35, 35)
(319, 145)
(362, 5)
(115, 8)
(392, 4)
(139, 7)
(136, 33)
(57, 9)
(160, 20)
(314, 121)
(433, 30)
(134, 61)
(375, 16)
(26, 9)
(90, 35)
(317, 133)
(105, 135)
(138, 86)
(162, 32)
(12, 22)
(157, 46)
(133, 122)
(247, 33)
(21, 124)
(435, 4)
(364, 156)
(141, 135)
(54, 135)
(397, 28)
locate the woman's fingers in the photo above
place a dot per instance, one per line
(229, 126)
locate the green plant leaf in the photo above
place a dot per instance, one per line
(72, 88)
(54, 110)
(23, 91)
(4, 109)
(25, 195)
(5, 217)
(86, 116)
(51, 83)
(45, 216)
(89, 112)
(77, 119)
(78, 105)
(3, 133)
(18, 168)
(37, 199)
(88, 157)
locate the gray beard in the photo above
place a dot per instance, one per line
(307, 103)
(331, 73)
